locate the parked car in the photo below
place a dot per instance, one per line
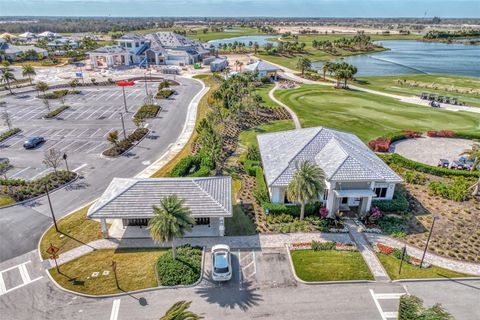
(4, 160)
(222, 263)
(33, 142)
(444, 163)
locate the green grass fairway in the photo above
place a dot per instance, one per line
(368, 115)
(330, 265)
(249, 137)
(205, 37)
(392, 265)
(135, 270)
(466, 89)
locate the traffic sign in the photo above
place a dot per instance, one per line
(52, 250)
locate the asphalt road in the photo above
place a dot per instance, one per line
(21, 226)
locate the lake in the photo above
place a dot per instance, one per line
(409, 57)
(261, 40)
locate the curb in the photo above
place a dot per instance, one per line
(126, 151)
(127, 293)
(436, 279)
(43, 194)
(292, 268)
(13, 135)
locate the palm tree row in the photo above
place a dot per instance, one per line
(341, 71)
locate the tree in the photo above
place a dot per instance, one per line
(6, 119)
(52, 159)
(4, 166)
(28, 71)
(303, 64)
(7, 77)
(171, 220)
(327, 67)
(256, 46)
(474, 154)
(179, 312)
(73, 84)
(42, 86)
(112, 137)
(308, 183)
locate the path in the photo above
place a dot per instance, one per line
(295, 119)
(238, 242)
(367, 252)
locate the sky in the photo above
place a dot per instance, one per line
(243, 8)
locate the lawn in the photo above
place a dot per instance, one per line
(249, 137)
(239, 224)
(5, 201)
(263, 92)
(368, 115)
(75, 229)
(466, 89)
(239, 32)
(135, 270)
(392, 265)
(330, 265)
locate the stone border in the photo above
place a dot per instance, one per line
(13, 135)
(55, 116)
(202, 266)
(43, 194)
(292, 267)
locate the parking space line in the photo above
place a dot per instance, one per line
(41, 173)
(3, 288)
(240, 270)
(95, 132)
(115, 309)
(80, 167)
(96, 147)
(53, 145)
(109, 109)
(83, 145)
(68, 145)
(24, 273)
(19, 172)
(383, 296)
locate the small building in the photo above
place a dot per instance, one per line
(218, 64)
(127, 204)
(48, 35)
(263, 69)
(27, 36)
(355, 175)
(61, 43)
(110, 56)
(13, 52)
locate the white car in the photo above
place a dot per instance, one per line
(222, 263)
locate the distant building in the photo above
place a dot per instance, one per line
(218, 64)
(13, 52)
(48, 35)
(263, 69)
(161, 48)
(61, 43)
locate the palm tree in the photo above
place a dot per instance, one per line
(256, 46)
(7, 76)
(179, 312)
(307, 184)
(42, 86)
(327, 67)
(113, 137)
(28, 71)
(170, 221)
(304, 63)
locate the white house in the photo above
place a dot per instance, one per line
(128, 204)
(48, 35)
(160, 48)
(12, 52)
(263, 69)
(354, 174)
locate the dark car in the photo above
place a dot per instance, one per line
(33, 142)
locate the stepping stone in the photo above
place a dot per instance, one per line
(95, 274)
(105, 273)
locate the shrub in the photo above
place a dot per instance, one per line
(184, 166)
(293, 210)
(399, 203)
(184, 270)
(261, 191)
(456, 191)
(414, 177)
(147, 111)
(380, 144)
(126, 144)
(55, 94)
(411, 308)
(441, 133)
(9, 133)
(251, 166)
(56, 112)
(253, 153)
(164, 93)
(391, 225)
(329, 245)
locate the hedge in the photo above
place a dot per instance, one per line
(467, 135)
(164, 93)
(147, 111)
(399, 203)
(9, 133)
(184, 270)
(291, 209)
(184, 166)
(414, 165)
(56, 112)
(251, 166)
(55, 94)
(261, 191)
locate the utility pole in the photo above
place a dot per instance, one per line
(124, 100)
(145, 80)
(428, 240)
(123, 126)
(51, 208)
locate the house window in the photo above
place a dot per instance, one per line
(325, 195)
(202, 221)
(380, 192)
(135, 222)
(129, 45)
(136, 44)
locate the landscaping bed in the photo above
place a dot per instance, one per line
(186, 269)
(135, 271)
(147, 111)
(125, 144)
(9, 133)
(56, 112)
(20, 190)
(164, 93)
(330, 265)
(57, 94)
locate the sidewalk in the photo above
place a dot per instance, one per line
(367, 252)
(295, 119)
(238, 242)
(455, 265)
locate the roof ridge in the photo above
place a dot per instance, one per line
(343, 150)
(293, 158)
(135, 181)
(208, 194)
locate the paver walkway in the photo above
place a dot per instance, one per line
(239, 242)
(459, 266)
(367, 252)
(295, 119)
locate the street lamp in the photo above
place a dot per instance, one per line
(123, 126)
(51, 208)
(124, 84)
(65, 158)
(428, 240)
(145, 80)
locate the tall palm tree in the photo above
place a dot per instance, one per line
(171, 220)
(303, 64)
(7, 77)
(307, 184)
(28, 71)
(179, 312)
(327, 67)
(256, 46)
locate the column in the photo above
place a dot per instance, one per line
(221, 226)
(127, 59)
(104, 227)
(157, 60)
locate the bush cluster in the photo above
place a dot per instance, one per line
(456, 191)
(414, 177)
(329, 245)
(441, 133)
(261, 190)
(9, 133)
(198, 165)
(147, 111)
(251, 166)
(393, 226)
(399, 203)
(164, 93)
(56, 112)
(126, 144)
(411, 308)
(184, 270)
(57, 94)
(311, 209)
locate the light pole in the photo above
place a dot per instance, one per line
(145, 80)
(124, 100)
(114, 267)
(428, 240)
(123, 126)
(65, 158)
(51, 208)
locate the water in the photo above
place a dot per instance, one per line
(410, 57)
(261, 40)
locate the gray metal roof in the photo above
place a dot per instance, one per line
(261, 65)
(343, 156)
(110, 50)
(13, 49)
(132, 36)
(135, 198)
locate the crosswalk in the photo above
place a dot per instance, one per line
(15, 277)
(379, 297)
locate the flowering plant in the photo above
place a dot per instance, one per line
(323, 212)
(375, 213)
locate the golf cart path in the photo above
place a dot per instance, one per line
(295, 119)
